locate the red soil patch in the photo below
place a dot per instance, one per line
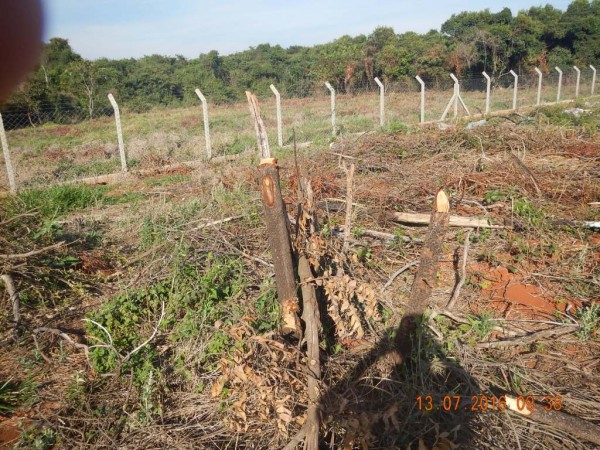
(190, 121)
(55, 155)
(94, 262)
(505, 292)
(10, 430)
(585, 149)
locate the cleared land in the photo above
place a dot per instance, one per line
(149, 262)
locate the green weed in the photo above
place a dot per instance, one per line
(529, 212)
(267, 312)
(36, 439)
(481, 324)
(589, 322)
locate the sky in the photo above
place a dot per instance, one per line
(134, 28)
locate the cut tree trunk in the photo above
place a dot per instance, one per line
(426, 275)
(277, 227)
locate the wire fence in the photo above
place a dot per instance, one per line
(53, 144)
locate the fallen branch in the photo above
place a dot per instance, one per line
(576, 223)
(60, 334)
(18, 216)
(296, 439)
(463, 275)
(426, 275)
(454, 221)
(525, 169)
(398, 272)
(128, 356)
(32, 253)
(246, 255)
(386, 236)
(216, 222)
(349, 196)
(529, 338)
(558, 420)
(14, 299)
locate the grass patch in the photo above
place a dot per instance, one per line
(194, 298)
(60, 200)
(167, 180)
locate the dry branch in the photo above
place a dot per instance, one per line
(259, 126)
(454, 221)
(526, 169)
(216, 222)
(310, 315)
(349, 196)
(61, 334)
(386, 236)
(463, 275)
(33, 252)
(426, 275)
(277, 226)
(398, 272)
(14, 298)
(529, 338)
(558, 420)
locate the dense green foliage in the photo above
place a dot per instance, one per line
(468, 43)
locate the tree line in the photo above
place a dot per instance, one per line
(467, 44)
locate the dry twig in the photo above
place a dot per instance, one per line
(463, 275)
(398, 272)
(14, 298)
(349, 196)
(33, 252)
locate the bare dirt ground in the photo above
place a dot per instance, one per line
(147, 261)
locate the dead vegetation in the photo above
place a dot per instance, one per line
(185, 353)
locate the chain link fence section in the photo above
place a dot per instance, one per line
(60, 143)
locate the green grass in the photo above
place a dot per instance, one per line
(9, 396)
(57, 201)
(167, 180)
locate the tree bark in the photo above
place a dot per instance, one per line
(454, 221)
(312, 322)
(277, 226)
(426, 275)
(279, 241)
(557, 420)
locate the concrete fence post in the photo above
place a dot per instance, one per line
(381, 102)
(12, 182)
(488, 88)
(560, 74)
(454, 100)
(539, 89)
(422, 83)
(279, 120)
(593, 79)
(578, 80)
(456, 94)
(119, 133)
(206, 126)
(332, 92)
(516, 77)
